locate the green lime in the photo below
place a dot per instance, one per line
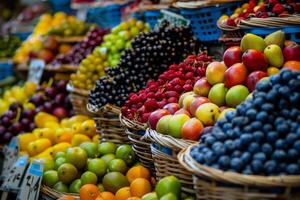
(126, 153)
(117, 165)
(107, 148)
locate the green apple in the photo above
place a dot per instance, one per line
(169, 196)
(61, 187)
(207, 113)
(107, 148)
(150, 196)
(217, 94)
(67, 173)
(50, 178)
(88, 178)
(236, 95)
(175, 124)
(162, 125)
(169, 184)
(76, 156)
(97, 166)
(90, 148)
(75, 186)
(108, 157)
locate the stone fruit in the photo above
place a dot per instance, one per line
(77, 157)
(187, 101)
(292, 52)
(232, 56)
(253, 78)
(277, 38)
(274, 55)
(79, 139)
(171, 107)
(67, 173)
(180, 102)
(117, 165)
(126, 153)
(61, 187)
(75, 186)
(217, 94)
(208, 113)
(38, 146)
(182, 111)
(50, 178)
(251, 41)
(89, 128)
(113, 181)
(175, 124)
(215, 72)
(107, 148)
(97, 166)
(202, 87)
(235, 75)
(236, 95)
(88, 178)
(191, 129)
(196, 103)
(162, 125)
(90, 148)
(169, 184)
(255, 60)
(156, 115)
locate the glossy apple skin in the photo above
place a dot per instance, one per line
(253, 78)
(202, 87)
(215, 72)
(196, 103)
(292, 52)
(254, 60)
(236, 75)
(175, 124)
(192, 129)
(172, 107)
(232, 56)
(187, 102)
(155, 117)
(182, 111)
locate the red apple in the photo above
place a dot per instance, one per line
(192, 129)
(292, 52)
(253, 78)
(202, 87)
(60, 112)
(183, 111)
(50, 43)
(232, 55)
(235, 75)
(196, 103)
(155, 117)
(255, 60)
(172, 107)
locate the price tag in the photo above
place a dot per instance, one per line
(30, 187)
(11, 153)
(36, 69)
(15, 174)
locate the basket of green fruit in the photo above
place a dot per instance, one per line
(253, 152)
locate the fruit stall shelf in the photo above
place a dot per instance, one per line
(70, 39)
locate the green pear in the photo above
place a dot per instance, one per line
(274, 55)
(251, 41)
(277, 37)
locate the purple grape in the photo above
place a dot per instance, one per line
(17, 128)
(7, 137)
(32, 126)
(50, 92)
(6, 121)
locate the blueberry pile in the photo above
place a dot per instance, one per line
(262, 136)
(150, 55)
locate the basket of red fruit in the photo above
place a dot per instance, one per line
(253, 152)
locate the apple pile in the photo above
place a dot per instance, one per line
(261, 9)
(167, 89)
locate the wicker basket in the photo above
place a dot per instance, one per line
(108, 124)
(140, 144)
(79, 100)
(166, 164)
(53, 194)
(214, 184)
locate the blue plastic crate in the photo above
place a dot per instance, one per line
(23, 35)
(151, 17)
(62, 5)
(204, 20)
(6, 69)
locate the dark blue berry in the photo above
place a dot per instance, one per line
(224, 161)
(240, 109)
(267, 149)
(256, 125)
(284, 91)
(236, 132)
(209, 140)
(282, 168)
(254, 147)
(263, 86)
(297, 145)
(294, 98)
(272, 136)
(236, 154)
(260, 156)
(247, 171)
(294, 126)
(290, 139)
(279, 155)
(294, 113)
(200, 158)
(292, 154)
(279, 120)
(271, 96)
(258, 136)
(257, 166)
(267, 127)
(218, 148)
(292, 169)
(227, 126)
(270, 167)
(216, 166)
(262, 116)
(236, 164)
(298, 132)
(294, 84)
(238, 144)
(247, 129)
(280, 144)
(220, 136)
(251, 114)
(282, 128)
(210, 157)
(283, 104)
(229, 145)
(275, 79)
(271, 118)
(258, 101)
(268, 107)
(246, 157)
(230, 115)
(239, 121)
(285, 113)
(246, 138)
(229, 133)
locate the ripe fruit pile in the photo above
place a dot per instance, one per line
(8, 45)
(80, 50)
(107, 54)
(262, 136)
(167, 89)
(150, 55)
(262, 9)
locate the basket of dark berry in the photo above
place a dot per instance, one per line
(158, 98)
(262, 163)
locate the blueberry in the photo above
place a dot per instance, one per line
(247, 129)
(216, 166)
(238, 144)
(229, 145)
(246, 138)
(239, 121)
(290, 139)
(227, 126)
(229, 133)
(230, 115)
(294, 84)
(256, 125)
(263, 86)
(280, 144)
(270, 167)
(292, 169)
(251, 114)
(279, 120)
(297, 145)
(221, 122)
(283, 104)
(271, 118)
(200, 158)
(279, 155)
(236, 132)
(253, 147)
(267, 127)
(268, 107)
(294, 126)
(258, 101)
(284, 91)
(236, 164)
(247, 171)
(294, 98)
(260, 156)
(282, 128)
(258, 136)
(285, 113)
(236, 153)
(298, 132)
(272, 136)
(275, 79)
(209, 140)
(282, 167)
(262, 116)
(224, 161)
(294, 113)
(271, 96)
(246, 157)
(209, 157)
(257, 166)
(240, 109)
(267, 149)
(220, 136)
(298, 119)
(218, 149)
(292, 154)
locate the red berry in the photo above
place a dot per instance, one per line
(172, 100)
(278, 9)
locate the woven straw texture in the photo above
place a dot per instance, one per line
(53, 194)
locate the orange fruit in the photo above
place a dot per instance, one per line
(139, 187)
(107, 196)
(64, 48)
(293, 65)
(138, 172)
(123, 193)
(66, 197)
(134, 198)
(89, 192)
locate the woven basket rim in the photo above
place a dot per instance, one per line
(71, 88)
(107, 107)
(190, 164)
(132, 123)
(54, 193)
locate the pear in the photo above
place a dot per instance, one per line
(274, 55)
(251, 41)
(277, 37)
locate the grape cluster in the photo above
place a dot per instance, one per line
(82, 49)
(262, 136)
(167, 89)
(150, 55)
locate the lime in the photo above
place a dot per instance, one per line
(88, 178)
(108, 157)
(61, 187)
(75, 186)
(126, 153)
(107, 148)
(101, 187)
(50, 178)
(97, 166)
(113, 181)
(60, 154)
(117, 165)
(58, 162)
